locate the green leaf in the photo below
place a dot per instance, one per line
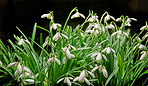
(110, 76)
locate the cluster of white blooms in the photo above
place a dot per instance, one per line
(120, 34)
(22, 72)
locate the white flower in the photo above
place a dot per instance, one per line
(0, 63)
(110, 26)
(58, 35)
(70, 46)
(67, 52)
(108, 50)
(119, 34)
(118, 19)
(29, 80)
(27, 70)
(93, 18)
(108, 17)
(15, 73)
(84, 74)
(101, 69)
(140, 46)
(127, 23)
(48, 16)
(76, 15)
(144, 27)
(144, 54)
(66, 80)
(19, 68)
(53, 59)
(11, 64)
(54, 26)
(22, 41)
(99, 56)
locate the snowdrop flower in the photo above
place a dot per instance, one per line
(101, 69)
(11, 64)
(54, 26)
(118, 20)
(140, 46)
(99, 56)
(144, 27)
(27, 70)
(110, 26)
(95, 32)
(108, 17)
(127, 23)
(108, 50)
(19, 68)
(29, 80)
(67, 52)
(54, 59)
(48, 16)
(76, 15)
(144, 54)
(119, 34)
(70, 46)
(66, 80)
(83, 75)
(21, 41)
(93, 18)
(0, 63)
(58, 35)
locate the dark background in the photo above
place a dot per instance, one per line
(24, 13)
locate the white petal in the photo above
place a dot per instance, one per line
(143, 55)
(91, 74)
(15, 73)
(76, 79)
(113, 50)
(88, 83)
(60, 80)
(108, 50)
(48, 16)
(99, 57)
(68, 81)
(82, 16)
(20, 41)
(27, 41)
(11, 64)
(49, 60)
(68, 54)
(94, 69)
(58, 61)
(64, 36)
(0, 63)
(105, 74)
(104, 57)
(29, 80)
(64, 60)
(93, 55)
(72, 55)
(114, 33)
(70, 78)
(56, 36)
(19, 68)
(27, 70)
(75, 15)
(82, 75)
(143, 27)
(64, 49)
(73, 47)
(118, 19)
(133, 19)
(125, 34)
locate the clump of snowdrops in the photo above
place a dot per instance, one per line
(101, 53)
